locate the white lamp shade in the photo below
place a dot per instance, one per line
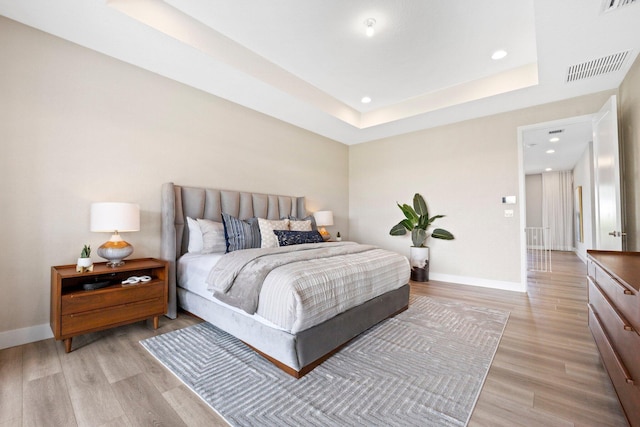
(323, 218)
(110, 217)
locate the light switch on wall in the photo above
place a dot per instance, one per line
(508, 213)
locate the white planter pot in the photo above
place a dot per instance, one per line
(84, 262)
(419, 261)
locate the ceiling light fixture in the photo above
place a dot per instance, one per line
(499, 54)
(365, 100)
(551, 151)
(554, 139)
(370, 22)
(548, 170)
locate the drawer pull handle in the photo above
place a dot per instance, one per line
(628, 292)
(628, 328)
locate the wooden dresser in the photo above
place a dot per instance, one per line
(614, 320)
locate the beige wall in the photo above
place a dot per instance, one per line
(629, 109)
(77, 126)
(462, 170)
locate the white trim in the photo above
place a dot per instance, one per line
(483, 283)
(27, 335)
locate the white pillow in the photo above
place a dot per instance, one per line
(269, 239)
(195, 236)
(302, 225)
(212, 236)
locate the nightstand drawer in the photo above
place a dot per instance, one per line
(82, 301)
(87, 321)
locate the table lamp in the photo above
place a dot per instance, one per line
(324, 218)
(115, 218)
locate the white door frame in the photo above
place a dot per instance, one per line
(521, 182)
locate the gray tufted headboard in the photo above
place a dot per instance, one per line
(179, 202)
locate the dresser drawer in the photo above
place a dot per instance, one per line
(87, 321)
(626, 300)
(81, 301)
(623, 338)
(628, 392)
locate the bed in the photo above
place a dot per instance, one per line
(295, 344)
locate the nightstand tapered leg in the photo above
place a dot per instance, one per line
(156, 322)
(67, 345)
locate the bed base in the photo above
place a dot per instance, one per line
(311, 366)
(297, 354)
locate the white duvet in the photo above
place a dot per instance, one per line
(299, 295)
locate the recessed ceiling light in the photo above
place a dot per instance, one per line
(554, 139)
(365, 100)
(548, 170)
(499, 54)
(370, 22)
(550, 151)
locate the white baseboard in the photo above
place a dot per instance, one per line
(483, 283)
(25, 335)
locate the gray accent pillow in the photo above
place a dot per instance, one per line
(241, 234)
(213, 237)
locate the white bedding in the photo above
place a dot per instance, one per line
(297, 296)
(193, 269)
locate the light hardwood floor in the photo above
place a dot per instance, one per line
(546, 371)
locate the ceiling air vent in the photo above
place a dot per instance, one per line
(597, 67)
(609, 5)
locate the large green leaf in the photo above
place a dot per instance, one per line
(440, 233)
(398, 229)
(407, 224)
(418, 236)
(423, 222)
(420, 205)
(409, 213)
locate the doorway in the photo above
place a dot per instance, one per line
(555, 155)
(594, 194)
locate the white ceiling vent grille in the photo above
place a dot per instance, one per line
(597, 67)
(609, 5)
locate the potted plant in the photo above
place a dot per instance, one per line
(417, 221)
(84, 262)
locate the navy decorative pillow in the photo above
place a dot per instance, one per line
(287, 238)
(241, 234)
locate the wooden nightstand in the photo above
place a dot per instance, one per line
(75, 311)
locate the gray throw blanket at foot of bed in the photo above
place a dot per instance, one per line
(237, 277)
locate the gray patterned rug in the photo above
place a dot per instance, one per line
(424, 367)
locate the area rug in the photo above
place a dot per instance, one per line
(424, 367)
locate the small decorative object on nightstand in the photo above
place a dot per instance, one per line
(338, 237)
(84, 263)
(324, 218)
(97, 300)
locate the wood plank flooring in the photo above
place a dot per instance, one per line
(546, 372)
